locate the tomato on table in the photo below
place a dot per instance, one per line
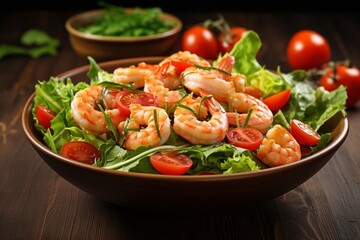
(346, 76)
(80, 151)
(303, 133)
(171, 163)
(200, 41)
(245, 137)
(44, 116)
(228, 39)
(124, 98)
(308, 49)
(278, 100)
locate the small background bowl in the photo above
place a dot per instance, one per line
(180, 195)
(104, 48)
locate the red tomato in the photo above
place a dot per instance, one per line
(44, 116)
(125, 98)
(303, 133)
(80, 151)
(171, 163)
(328, 81)
(180, 65)
(228, 39)
(346, 76)
(201, 41)
(248, 138)
(308, 49)
(278, 100)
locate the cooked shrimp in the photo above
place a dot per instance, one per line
(147, 126)
(166, 97)
(217, 82)
(278, 148)
(187, 57)
(197, 129)
(261, 116)
(134, 75)
(170, 67)
(85, 111)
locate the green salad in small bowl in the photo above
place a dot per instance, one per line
(113, 32)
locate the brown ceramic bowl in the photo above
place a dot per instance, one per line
(104, 48)
(217, 194)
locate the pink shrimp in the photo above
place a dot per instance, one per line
(187, 57)
(261, 116)
(170, 71)
(278, 148)
(166, 97)
(86, 113)
(197, 129)
(134, 75)
(218, 82)
(147, 126)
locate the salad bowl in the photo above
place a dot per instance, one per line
(105, 48)
(180, 194)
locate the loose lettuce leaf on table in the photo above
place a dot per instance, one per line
(34, 43)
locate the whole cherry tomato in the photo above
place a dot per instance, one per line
(201, 41)
(307, 49)
(227, 40)
(346, 76)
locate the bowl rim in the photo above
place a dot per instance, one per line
(336, 142)
(77, 17)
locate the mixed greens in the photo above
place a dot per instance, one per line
(314, 106)
(119, 21)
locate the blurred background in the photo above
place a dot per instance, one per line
(188, 5)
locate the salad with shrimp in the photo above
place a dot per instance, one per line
(186, 115)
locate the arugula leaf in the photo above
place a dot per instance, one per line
(117, 21)
(35, 43)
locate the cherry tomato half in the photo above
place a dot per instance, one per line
(200, 41)
(44, 116)
(228, 39)
(278, 100)
(171, 163)
(303, 133)
(80, 151)
(248, 138)
(125, 98)
(307, 49)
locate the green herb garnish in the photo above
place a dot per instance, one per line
(119, 21)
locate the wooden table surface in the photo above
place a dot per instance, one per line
(36, 203)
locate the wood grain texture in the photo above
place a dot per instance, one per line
(35, 203)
